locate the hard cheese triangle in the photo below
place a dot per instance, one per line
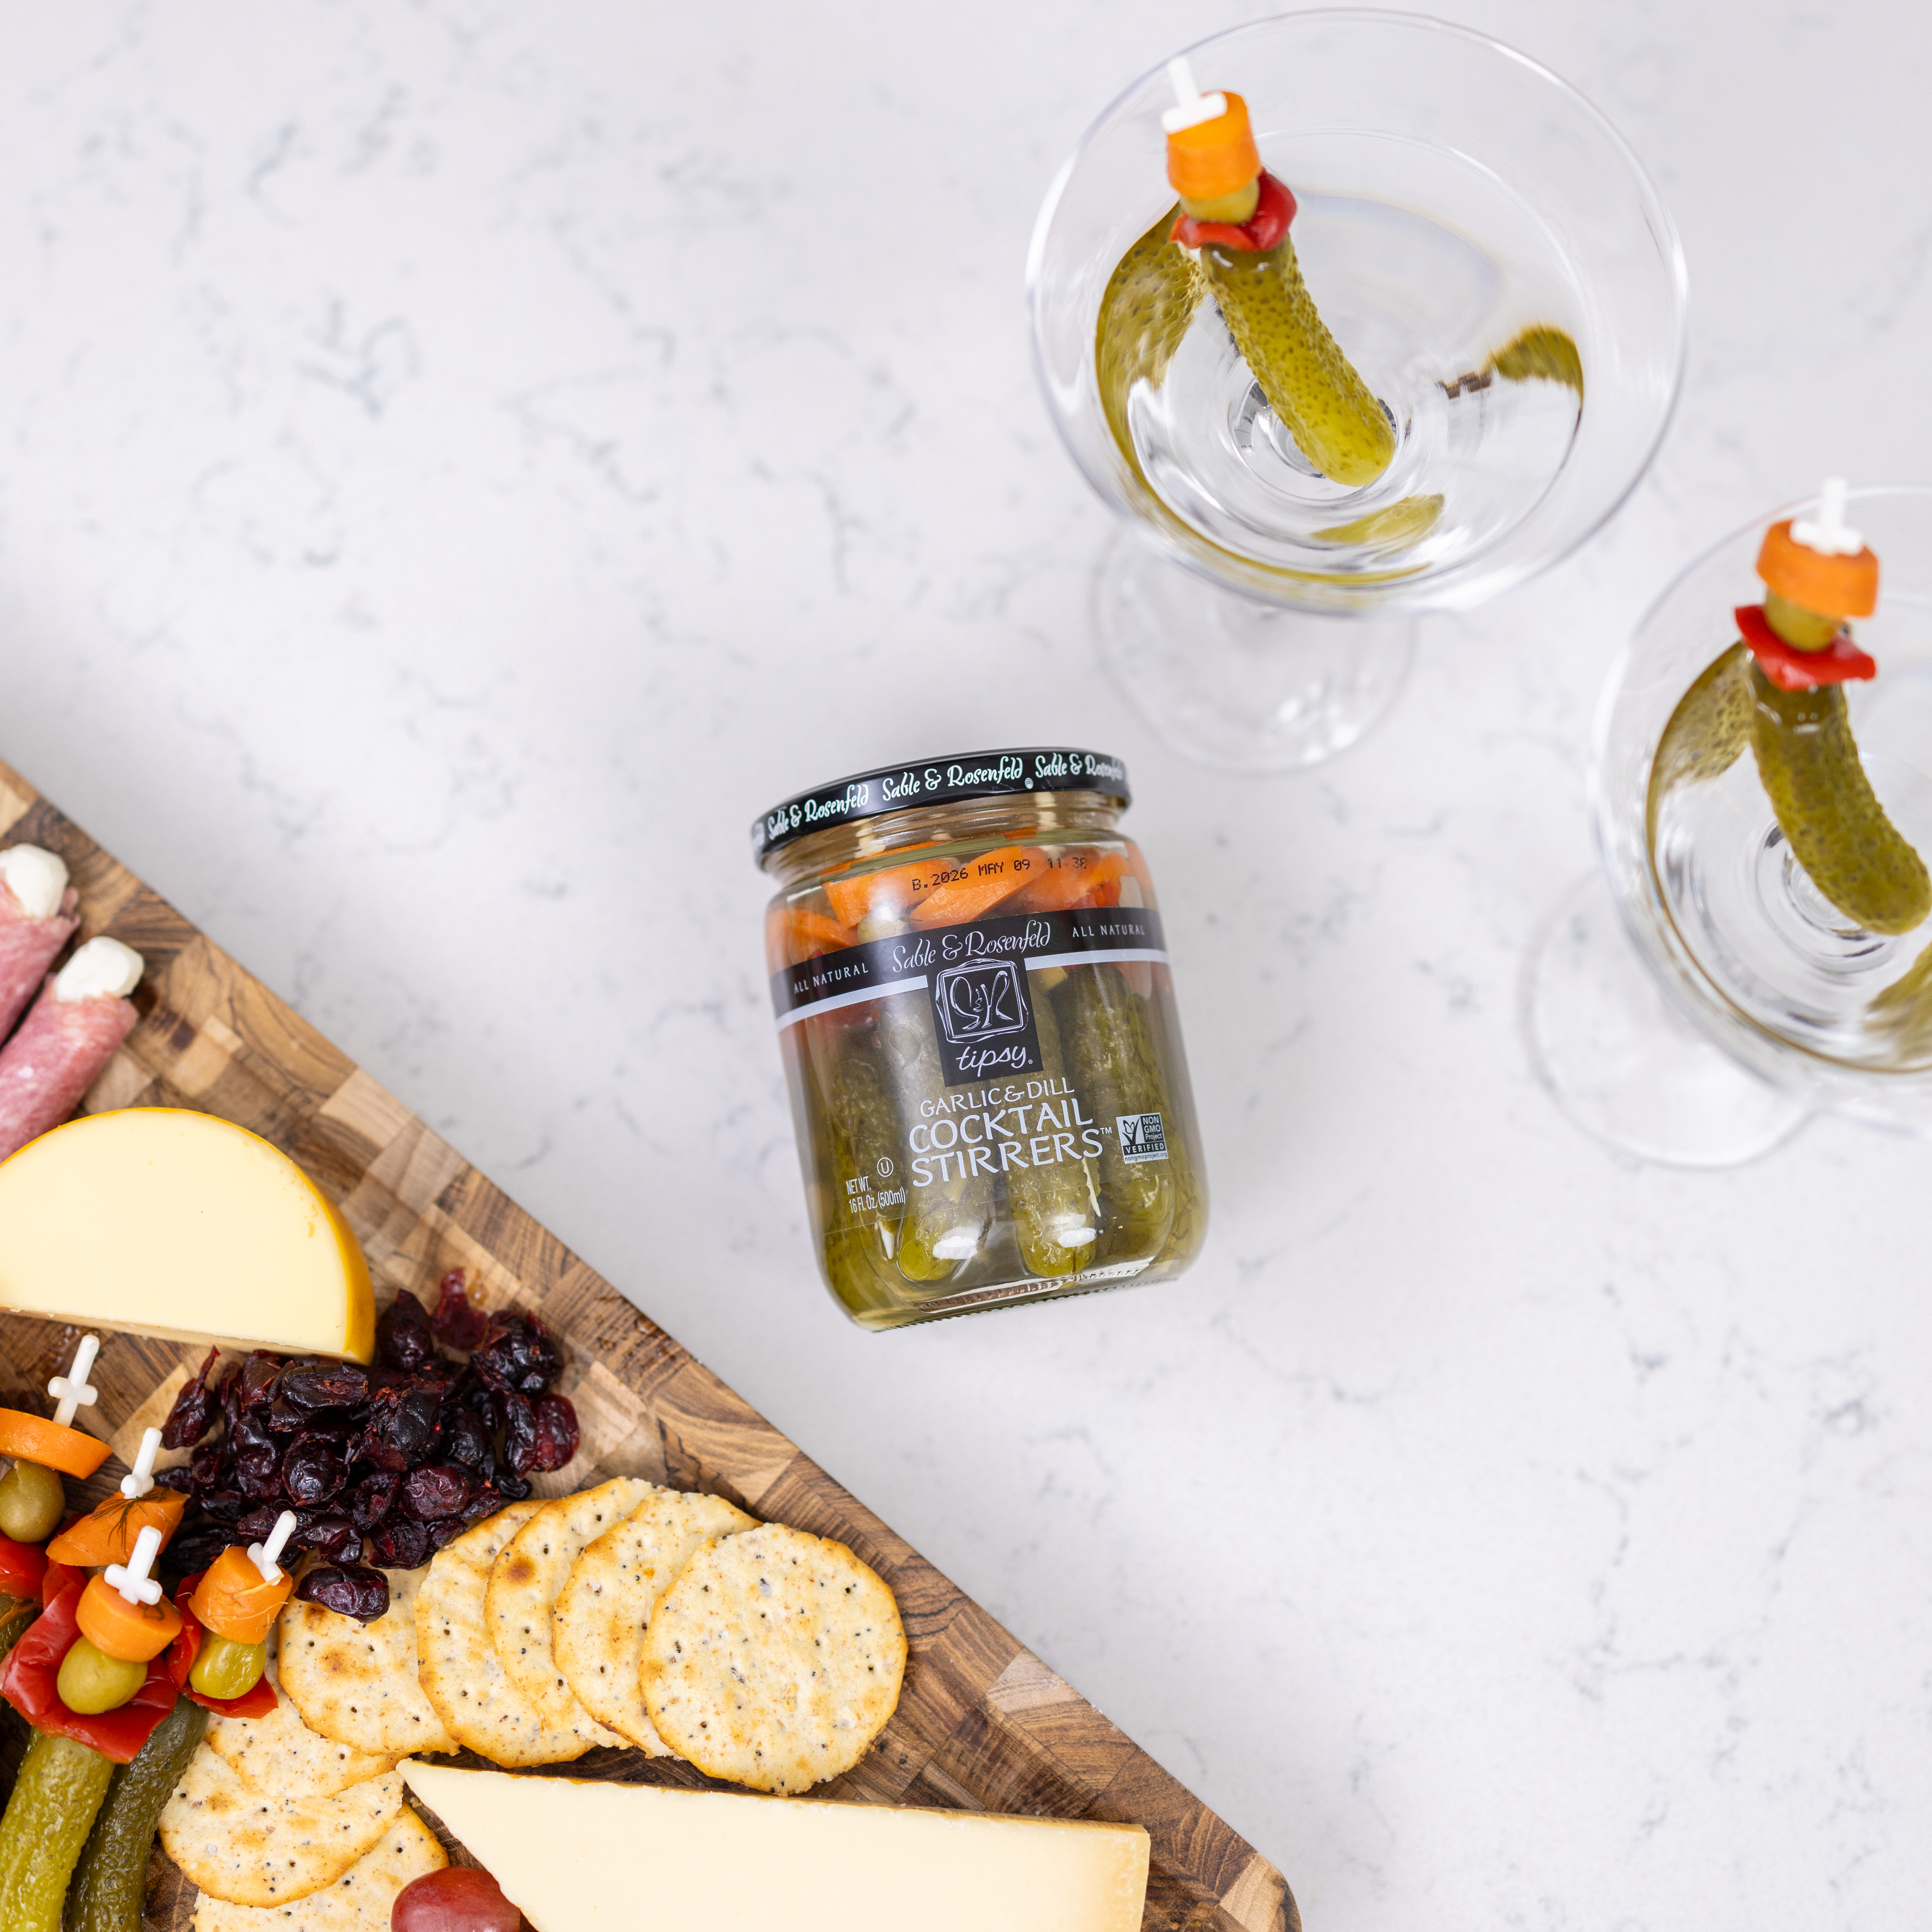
(164, 1222)
(581, 1856)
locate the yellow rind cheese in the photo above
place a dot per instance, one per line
(578, 1856)
(158, 1221)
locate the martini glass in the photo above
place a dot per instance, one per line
(1453, 195)
(1696, 1000)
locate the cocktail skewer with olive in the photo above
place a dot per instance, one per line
(1234, 215)
(32, 1498)
(236, 1602)
(1817, 575)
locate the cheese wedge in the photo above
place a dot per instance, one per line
(162, 1221)
(580, 1856)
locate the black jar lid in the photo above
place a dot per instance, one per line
(937, 782)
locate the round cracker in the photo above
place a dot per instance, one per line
(458, 1663)
(598, 1620)
(524, 1580)
(774, 1660)
(280, 1753)
(255, 1847)
(356, 1683)
(361, 1900)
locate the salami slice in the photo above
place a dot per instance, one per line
(66, 1041)
(29, 945)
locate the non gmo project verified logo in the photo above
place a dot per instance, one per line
(1142, 1137)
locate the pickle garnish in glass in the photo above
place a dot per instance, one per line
(1055, 1212)
(1541, 354)
(1111, 1062)
(1707, 733)
(1237, 215)
(1150, 299)
(1818, 573)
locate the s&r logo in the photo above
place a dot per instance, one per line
(981, 1001)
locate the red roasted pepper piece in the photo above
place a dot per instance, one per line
(256, 1702)
(1840, 662)
(60, 1576)
(1798, 671)
(1261, 231)
(31, 1683)
(22, 1567)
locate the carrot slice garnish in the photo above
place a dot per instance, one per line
(989, 878)
(234, 1602)
(135, 1633)
(1068, 884)
(31, 1438)
(1833, 586)
(107, 1535)
(1213, 157)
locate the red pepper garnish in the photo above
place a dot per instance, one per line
(60, 1576)
(1261, 231)
(256, 1702)
(1840, 662)
(22, 1567)
(31, 1685)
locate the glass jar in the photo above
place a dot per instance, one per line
(978, 1031)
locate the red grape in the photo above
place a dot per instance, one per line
(460, 1898)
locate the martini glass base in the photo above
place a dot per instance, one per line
(1620, 1062)
(1243, 685)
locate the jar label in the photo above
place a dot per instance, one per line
(977, 978)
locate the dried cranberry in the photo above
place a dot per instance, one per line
(332, 1536)
(375, 1498)
(457, 1324)
(438, 1490)
(400, 1545)
(224, 1506)
(258, 1473)
(519, 1431)
(518, 1354)
(556, 1434)
(349, 1589)
(180, 1479)
(193, 1550)
(444, 1531)
(317, 1388)
(312, 1471)
(403, 1427)
(205, 1466)
(487, 1501)
(192, 1414)
(511, 1487)
(402, 1335)
(466, 1436)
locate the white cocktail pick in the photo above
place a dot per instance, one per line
(140, 1479)
(71, 1390)
(263, 1554)
(131, 1578)
(1191, 106)
(1831, 535)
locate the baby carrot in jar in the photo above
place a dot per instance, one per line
(977, 1021)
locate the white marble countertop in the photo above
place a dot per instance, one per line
(459, 462)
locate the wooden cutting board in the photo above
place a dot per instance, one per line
(982, 1725)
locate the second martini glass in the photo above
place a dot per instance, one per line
(1490, 257)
